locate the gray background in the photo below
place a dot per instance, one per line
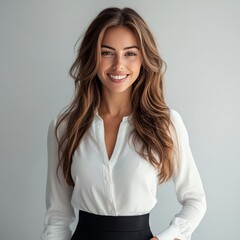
(199, 40)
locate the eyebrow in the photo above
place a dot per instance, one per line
(126, 48)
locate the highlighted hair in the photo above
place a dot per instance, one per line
(150, 114)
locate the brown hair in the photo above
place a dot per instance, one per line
(150, 114)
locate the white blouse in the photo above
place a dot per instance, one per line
(124, 185)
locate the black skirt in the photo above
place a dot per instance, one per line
(92, 227)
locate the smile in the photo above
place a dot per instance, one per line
(117, 78)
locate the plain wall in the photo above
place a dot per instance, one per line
(199, 40)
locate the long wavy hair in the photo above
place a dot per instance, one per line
(150, 114)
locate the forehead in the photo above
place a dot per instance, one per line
(119, 37)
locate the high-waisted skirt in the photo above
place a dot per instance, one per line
(92, 227)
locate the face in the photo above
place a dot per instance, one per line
(120, 60)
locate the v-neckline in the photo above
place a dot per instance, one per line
(116, 145)
(109, 159)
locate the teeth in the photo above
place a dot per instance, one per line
(118, 76)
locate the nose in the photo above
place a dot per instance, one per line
(118, 63)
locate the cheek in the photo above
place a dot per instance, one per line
(135, 66)
(104, 64)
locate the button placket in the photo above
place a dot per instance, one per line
(108, 187)
(110, 183)
(108, 165)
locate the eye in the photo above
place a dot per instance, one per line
(107, 53)
(131, 54)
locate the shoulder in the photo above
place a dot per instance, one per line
(53, 124)
(178, 123)
(175, 117)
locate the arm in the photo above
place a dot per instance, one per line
(60, 213)
(188, 187)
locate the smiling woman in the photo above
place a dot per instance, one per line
(118, 140)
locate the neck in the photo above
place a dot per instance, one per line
(115, 104)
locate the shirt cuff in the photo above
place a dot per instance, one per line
(170, 233)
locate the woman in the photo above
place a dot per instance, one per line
(118, 140)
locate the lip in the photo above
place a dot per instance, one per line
(116, 80)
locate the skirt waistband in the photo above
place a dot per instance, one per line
(114, 223)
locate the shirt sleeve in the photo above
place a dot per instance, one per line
(59, 211)
(188, 187)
